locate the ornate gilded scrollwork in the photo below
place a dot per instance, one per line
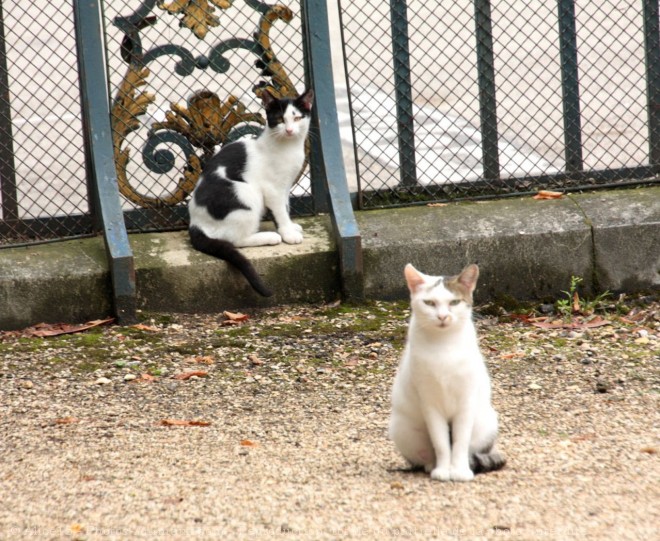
(205, 121)
(197, 14)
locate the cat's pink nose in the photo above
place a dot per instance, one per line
(443, 318)
(289, 131)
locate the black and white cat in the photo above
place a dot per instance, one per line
(247, 177)
(442, 417)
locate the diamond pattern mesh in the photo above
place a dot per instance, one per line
(42, 166)
(533, 122)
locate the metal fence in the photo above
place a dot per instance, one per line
(445, 100)
(43, 186)
(453, 100)
(184, 78)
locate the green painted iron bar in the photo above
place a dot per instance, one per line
(652, 54)
(329, 159)
(570, 86)
(7, 170)
(486, 81)
(403, 92)
(105, 199)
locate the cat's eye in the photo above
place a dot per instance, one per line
(297, 118)
(455, 302)
(429, 302)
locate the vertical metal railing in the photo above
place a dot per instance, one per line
(7, 170)
(327, 156)
(486, 80)
(651, 16)
(100, 161)
(570, 86)
(403, 92)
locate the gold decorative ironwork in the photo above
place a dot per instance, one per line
(197, 14)
(205, 121)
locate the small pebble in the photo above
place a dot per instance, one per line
(102, 381)
(603, 386)
(130, 377)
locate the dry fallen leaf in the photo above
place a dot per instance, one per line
(576, 303)
(254, 360)
(142, 327)
(183, 422)
(249, 443)
(188, 375)
(437, 204)
(590, 324)
(546, 194)
(234, 318)
(66, 421)
(147, 377)
(199, 359)
(44, 330)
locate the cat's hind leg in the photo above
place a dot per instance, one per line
(412, 440)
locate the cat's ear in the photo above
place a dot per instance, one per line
(413, 277)
(267, 98)
(306, 99)
(469, 276)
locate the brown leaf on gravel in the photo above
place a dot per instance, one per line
(44, 330)
(234, 318)
(249, 443)
(66, 421)
(183, 422)
(547, 194)
(188, 375)
(142, 327)
(590, 324)
(254, 360)
(649, 450)
(147, 378)
(199, 359)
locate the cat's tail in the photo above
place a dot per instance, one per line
(487, 461)
(225, 250)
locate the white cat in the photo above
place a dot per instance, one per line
(442, 417)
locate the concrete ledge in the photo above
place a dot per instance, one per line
(65, 281)
(171, 276)
(527, 249)
(626, 238)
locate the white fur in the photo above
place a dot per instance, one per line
(275, 159)
(442, 382)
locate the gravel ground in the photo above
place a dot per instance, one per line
(203, 427)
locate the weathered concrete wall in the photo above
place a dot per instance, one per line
(526, 249)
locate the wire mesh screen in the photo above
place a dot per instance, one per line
(43, 191)
(454, 100)
(185, 79)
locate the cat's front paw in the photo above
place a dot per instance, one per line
(440, 474)
(298, 227)
(461, 474)
(291, 234)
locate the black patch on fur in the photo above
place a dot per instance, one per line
(233, 157)
(215, 192)
(225, 250)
